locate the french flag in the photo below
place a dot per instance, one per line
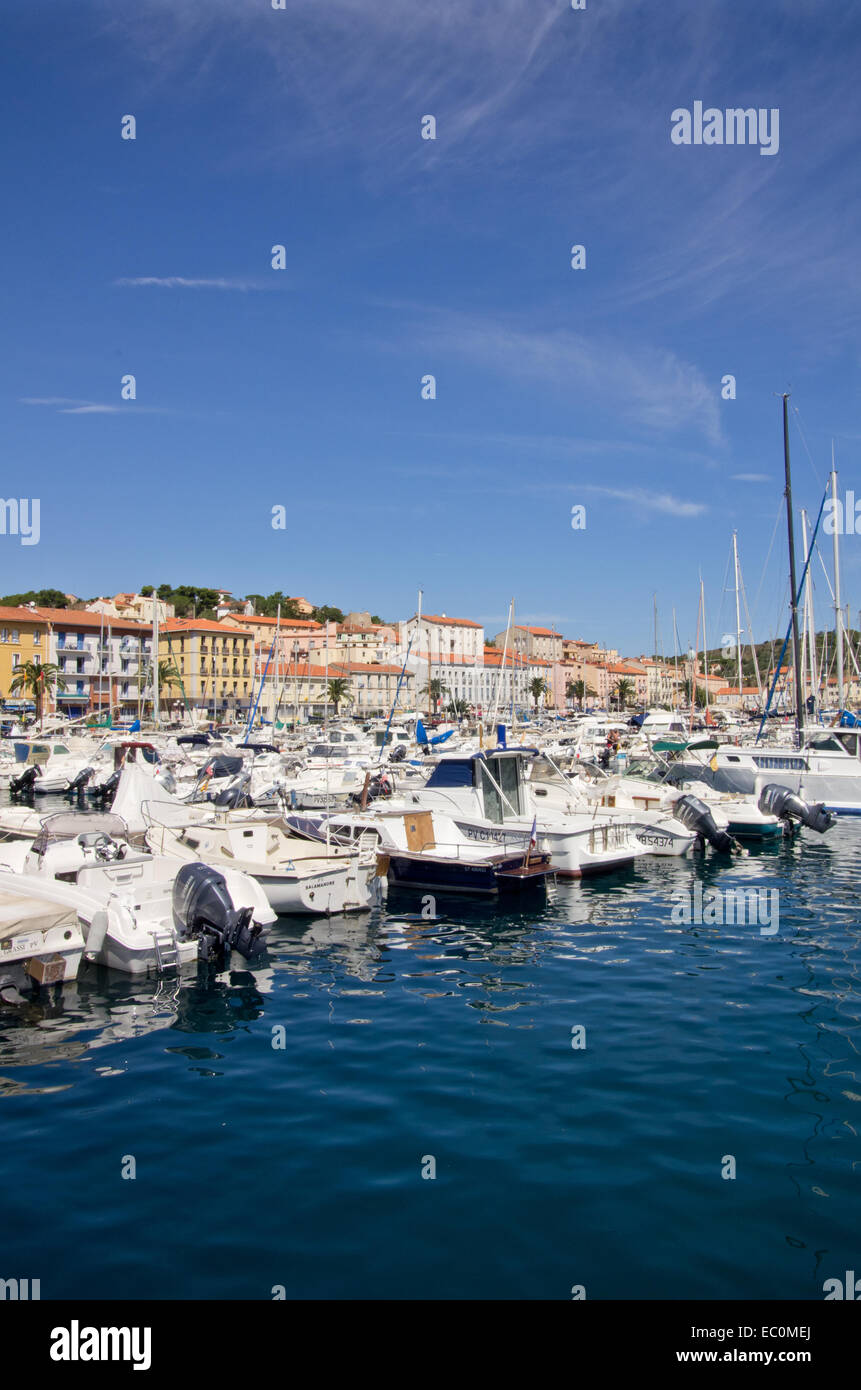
(533, 835)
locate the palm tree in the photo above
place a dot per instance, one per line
(458, 707)
(434, 691)
(37, 678)
(337, 691)
(537, 687)
(623, 691)
(576, 690)
(168, 676)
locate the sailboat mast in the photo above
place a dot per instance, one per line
(793, 588)
(696, 663)
(155, 657)
(805, 642)
(809, 621)
(737, 617)
(675, 659)
(838, 615)
(705, 646)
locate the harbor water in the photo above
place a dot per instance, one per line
(454, 1099)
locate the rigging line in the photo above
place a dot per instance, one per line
(767, 558)
(797, 414)
(723, 589)
(750, 631)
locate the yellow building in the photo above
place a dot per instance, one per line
(23, 638)
(215, 662)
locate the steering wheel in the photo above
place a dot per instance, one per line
(109, 850)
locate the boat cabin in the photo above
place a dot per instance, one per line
(497, 779)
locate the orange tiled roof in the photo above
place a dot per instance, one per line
(78, 617)
(451, 622)
(200, 625)
(20, 615)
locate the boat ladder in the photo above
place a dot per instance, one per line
(166, 949)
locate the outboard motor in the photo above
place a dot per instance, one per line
(24, 785)
(237, 794)
(202, 907)
(105, 790)
(379, 786)
(696, 815)
(775, 800)
(398, 754)
(78, 784)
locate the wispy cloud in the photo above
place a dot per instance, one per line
(751, 478)
(651, 501)
(649, 387)
(182, 282)
(66, 406)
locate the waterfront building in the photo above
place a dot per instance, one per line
(215, 661)
(102, 661)
(23, 638)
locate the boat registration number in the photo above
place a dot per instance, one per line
(21, 945)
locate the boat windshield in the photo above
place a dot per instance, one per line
(831, 743)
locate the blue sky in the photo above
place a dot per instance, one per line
(301, 387)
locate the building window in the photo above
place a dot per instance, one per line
(37, 637)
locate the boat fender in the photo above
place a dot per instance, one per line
(98, 931)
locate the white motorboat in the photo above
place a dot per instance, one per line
(427, 850)
(139, 911)
(491, 803)
(297, 875)
(826, 768)
(41, 936)
(655, 826)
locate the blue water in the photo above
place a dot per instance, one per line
(407, 1039)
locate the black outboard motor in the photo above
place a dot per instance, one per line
(696, 815)
(775, 800)
(379, 786)
(398, 754)
(24, 785)
(104, 791)
(237, 794)
(202, 907)
(77, 786)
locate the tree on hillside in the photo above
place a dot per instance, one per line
(327, 614)
(43, 598)
(266, 605)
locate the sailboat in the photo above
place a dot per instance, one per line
(825, 764)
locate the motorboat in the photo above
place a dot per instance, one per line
(426, 850)
(655, 826)
(139, 911)
(297, 875)
(491, 803)
(41, 935)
